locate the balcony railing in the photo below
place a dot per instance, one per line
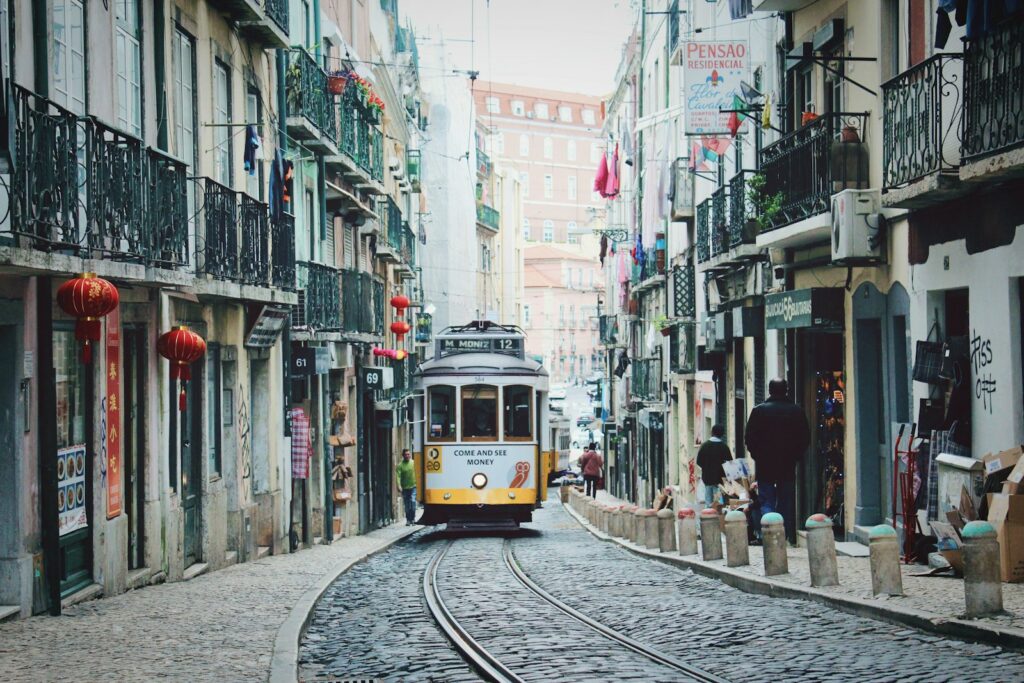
(319, 297)
(994, 92)
(217, 242)
(282, 251)
(646, 379)
(362, 303)
(81, 187)
(684, 292)
(307, 94)
(359, 137)
(424, 328)
(720, 221)
(922, 108)
(413, 168)
(741, 210)
(254, 222)
(408, 250)
(277, 11)
(609, 329)
(800, 166)
(487, 216)
(390, 222)
(483, 163)
(704, 231)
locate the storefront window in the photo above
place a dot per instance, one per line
(442, 414)
(518, 426)
(479, 412)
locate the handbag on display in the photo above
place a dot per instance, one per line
(928, 358)
(955, 349)
(931, 414)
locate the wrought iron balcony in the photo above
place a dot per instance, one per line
(704, 231)
(408, 250)
(741, 211)
(646, 379)
(311, 110)
(282, 251)
(391, 224)
(720, 221)
(277, 11)
(413, 168)
(254, 221)
(800, 166)
(362, 303)
(217, 238)
(359, 138)
(684, 297)
(167, 210)
(319, 297)
(921, 120)
(609, 329)
(424, 328)
(994, 92)
(487, 217)
(483, 163)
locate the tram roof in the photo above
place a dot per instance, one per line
(481, 363)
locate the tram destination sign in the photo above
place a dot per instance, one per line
(509, 346)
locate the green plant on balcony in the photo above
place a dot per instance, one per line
(293, 85)
(763, 206)
(663, 325)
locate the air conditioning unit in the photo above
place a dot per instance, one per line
(858, 227)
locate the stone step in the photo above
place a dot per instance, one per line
(137, 578)
(262, 551)
(851, 549)
(9, 612)
(231, 557)
(195, 570)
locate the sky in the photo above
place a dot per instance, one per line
(569, 45)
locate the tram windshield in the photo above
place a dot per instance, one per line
(518, 426)
(442, 413)
(479, 412)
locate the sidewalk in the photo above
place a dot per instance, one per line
(934, 603)
(220, 626)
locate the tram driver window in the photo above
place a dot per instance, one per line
(479, 412)
(442, 414)
(517, 413)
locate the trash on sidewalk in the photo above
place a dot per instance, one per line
(1006, 514)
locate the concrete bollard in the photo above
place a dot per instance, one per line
(886, 578)
(773, 540)
(620, 521)
(666, 531)
(650, 538)
(737, 548)
(636, 531)
(710, 534)
(983, 588)
(821, 551)
(686, 523)
(606, 515)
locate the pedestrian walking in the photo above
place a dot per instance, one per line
(406, 480)
(713, 454)
(591, 463)
(777, 436)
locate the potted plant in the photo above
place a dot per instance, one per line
(293, 85)
(663, 325)
(336, 82)
(763, 206)
(375, 107)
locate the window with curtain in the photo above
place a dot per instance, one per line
(128, 59)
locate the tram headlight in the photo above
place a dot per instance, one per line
(512, 495)
(479, 480)
(448, 495)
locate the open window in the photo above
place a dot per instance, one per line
(518, 426)
(479, 412)
(441, 425)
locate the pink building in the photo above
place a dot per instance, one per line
(560, 311)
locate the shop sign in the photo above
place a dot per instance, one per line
(820, 308)
(712, 72)
(113, 435)
(267, 327)
(71, 514)
(310, 360)
(378, 378)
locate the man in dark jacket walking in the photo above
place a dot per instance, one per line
(712, 455)
(777, 436)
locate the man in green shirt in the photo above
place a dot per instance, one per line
(406, 480)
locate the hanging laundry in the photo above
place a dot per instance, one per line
(252, 145)
(611, 188)
(766, 112)
(276, 189)
(601, 180)
(604, 248)
(289, 181)
(627, 142)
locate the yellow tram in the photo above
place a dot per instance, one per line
(482, 445)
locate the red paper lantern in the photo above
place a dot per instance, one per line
(401, 302)
(182, 347)
(400, 329)
(88, 298)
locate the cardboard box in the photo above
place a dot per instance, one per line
(997, 462)
(1006, 514)
(1015, 479)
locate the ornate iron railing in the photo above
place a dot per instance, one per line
(217, 244)
(391, 220)
(424, 328)
(282, 251)
(307, 94)
(254, 221)
(921, 116)
(413, 168)
(483, 163)
(359, 137)
(799, 165)
(376, 287)
(360, 310)
(487, 216)
(994, 91)
(704, 231)
(320, 296)
(720, 221)
(167, 210)
(741, 210)
(376, 169)
(408, 245)
(684, 299)
(646, 379)
(277, 11)
(115, 172)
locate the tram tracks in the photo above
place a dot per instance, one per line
(490, 666)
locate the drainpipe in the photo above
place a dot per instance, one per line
(282, 144)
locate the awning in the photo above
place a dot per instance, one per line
(818, 308)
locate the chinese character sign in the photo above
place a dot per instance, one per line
(712, 72)
(113, 435)
(71, 512)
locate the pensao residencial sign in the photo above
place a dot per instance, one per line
(818, 307)
(712, 72)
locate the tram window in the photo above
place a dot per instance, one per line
(517, 413)
(479, 412)
(442, 414)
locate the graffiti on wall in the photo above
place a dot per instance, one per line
(244, 443)
(984, 382)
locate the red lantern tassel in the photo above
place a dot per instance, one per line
(181, 398)
(87, 352)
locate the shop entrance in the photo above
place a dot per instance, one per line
(134, 403)
(74, 462)
(189, 434)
